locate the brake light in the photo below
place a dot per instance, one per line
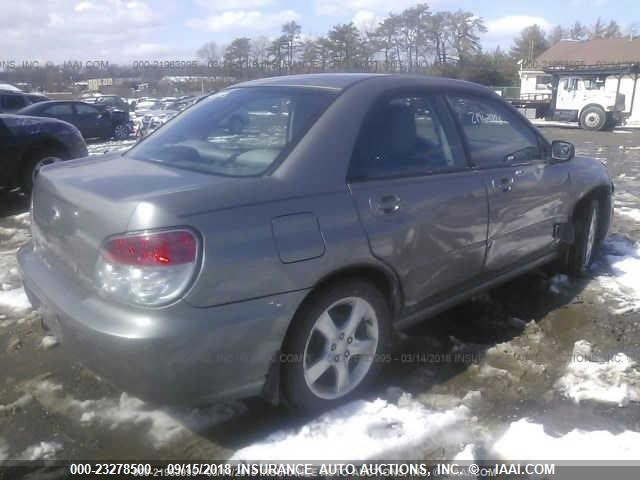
(158, 249)
(151, 268)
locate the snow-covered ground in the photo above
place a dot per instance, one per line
(543, 368)
(368, 429)
(527, 440)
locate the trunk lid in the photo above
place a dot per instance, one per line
(79, 203)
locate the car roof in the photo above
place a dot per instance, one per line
(53, 102)
(333, 81)
(342, 81)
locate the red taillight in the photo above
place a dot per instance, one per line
(154, 249)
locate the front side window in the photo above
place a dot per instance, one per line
(594, 83)
(403, 136)
(238, 132)
(495, 136)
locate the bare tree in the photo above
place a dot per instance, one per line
(465, 30)
(612, 30)
(578, 31)
(597, 29)
(558, 33)
(236, 57)
(290, 38)
(345, 46)
(258, 50)
(529, 45)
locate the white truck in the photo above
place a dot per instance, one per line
(594, 100)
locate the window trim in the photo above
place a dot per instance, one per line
(543, 145)
(440, 108)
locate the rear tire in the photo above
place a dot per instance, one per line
(586, 226)
(593, 118)
(35, 161)
(333, 349)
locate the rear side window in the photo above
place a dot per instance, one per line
(82, 109)
(59, 109)
(495, 136)
(403, 136)
(13, 102)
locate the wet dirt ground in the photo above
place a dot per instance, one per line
(543, 348)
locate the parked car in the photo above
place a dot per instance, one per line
(28, 143)
(277, 261)
(94, 121)
(12, 101)
(144, 105)
(110, 101)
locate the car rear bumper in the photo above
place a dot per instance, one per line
(176, 354)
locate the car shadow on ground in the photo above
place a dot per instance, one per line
(422, 356)
(13, 202)
(473, 327)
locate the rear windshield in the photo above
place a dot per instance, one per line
(237, 132)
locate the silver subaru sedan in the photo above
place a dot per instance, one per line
(275, 255)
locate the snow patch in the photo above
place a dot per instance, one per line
(161, 425)
(525, 440)
(615, 381)
(15, 299)
(41, 451)
(467, 454)
(363, 430)
(22, 402)
(632, 213)
(621, 259)
(48, 342)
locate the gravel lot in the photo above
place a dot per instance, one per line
(543, 367)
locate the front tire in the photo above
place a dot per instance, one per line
(581, 253)
(335, 344)
(593, 118)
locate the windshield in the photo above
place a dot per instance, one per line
(237, 132)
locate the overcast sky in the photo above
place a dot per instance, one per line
(123, 31)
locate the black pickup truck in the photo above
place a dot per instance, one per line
(28, 143)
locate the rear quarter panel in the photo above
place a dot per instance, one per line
(242, 258)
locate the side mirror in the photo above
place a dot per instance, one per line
(562, 151)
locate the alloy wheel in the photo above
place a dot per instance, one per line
(341, 348)
(121, 131)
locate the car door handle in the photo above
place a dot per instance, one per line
(387, 204)
(506, 183)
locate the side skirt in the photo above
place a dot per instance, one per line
(434, 308)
